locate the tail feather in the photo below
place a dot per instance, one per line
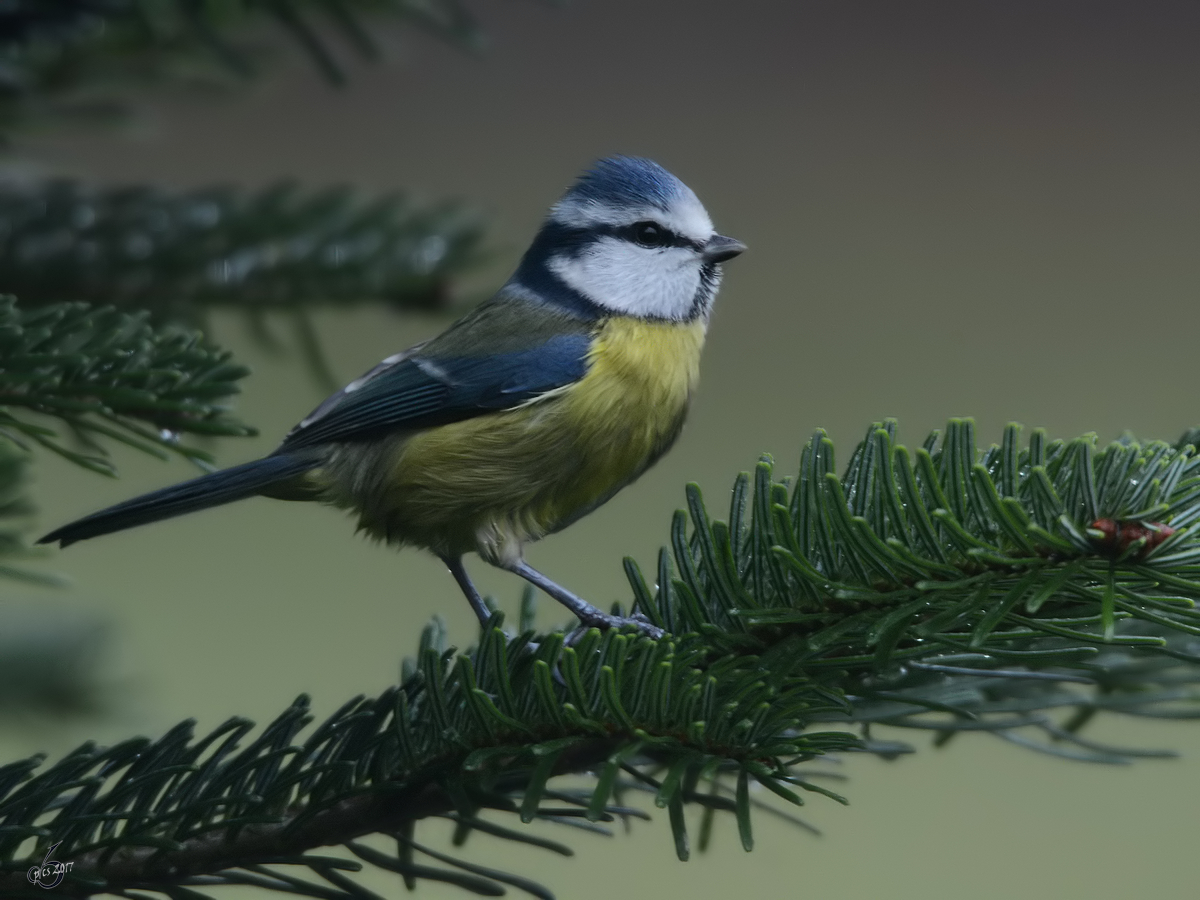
(225, 486)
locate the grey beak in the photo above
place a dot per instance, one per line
(720, 248)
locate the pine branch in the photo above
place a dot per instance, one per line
(182, 254)
(107, 375)
(75, 59)
(1011, 590)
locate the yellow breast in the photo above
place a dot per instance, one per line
(630, 405)
(496, 481)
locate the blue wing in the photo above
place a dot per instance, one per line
(420, 389)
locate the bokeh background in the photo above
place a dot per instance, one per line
(951, 208)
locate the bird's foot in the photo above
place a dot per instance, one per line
(604, 621)
(588, 615)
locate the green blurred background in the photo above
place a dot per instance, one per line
(951, 208)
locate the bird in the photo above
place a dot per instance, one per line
(521, 417)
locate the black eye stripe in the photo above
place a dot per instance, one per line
(626, 233)
(556, 238)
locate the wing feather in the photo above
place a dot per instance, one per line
(420, 389)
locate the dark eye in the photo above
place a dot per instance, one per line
(648, 234)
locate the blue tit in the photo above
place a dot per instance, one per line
(523, 416)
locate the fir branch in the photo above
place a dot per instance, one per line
(107, 375)
(182, 254)
(465, 733)
(77, 58)
(944, 549)
(947, 589)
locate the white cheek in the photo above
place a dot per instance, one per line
(633, 280)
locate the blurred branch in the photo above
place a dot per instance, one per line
(1012, 591)
(74, 59)
(51, 661)
(16, 513)
(108, 375)
(180, 254)
(49, 657)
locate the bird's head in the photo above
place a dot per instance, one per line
(630, 239)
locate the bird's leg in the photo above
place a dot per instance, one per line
(459, 571)
(589, 615)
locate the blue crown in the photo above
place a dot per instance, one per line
(627, 181)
